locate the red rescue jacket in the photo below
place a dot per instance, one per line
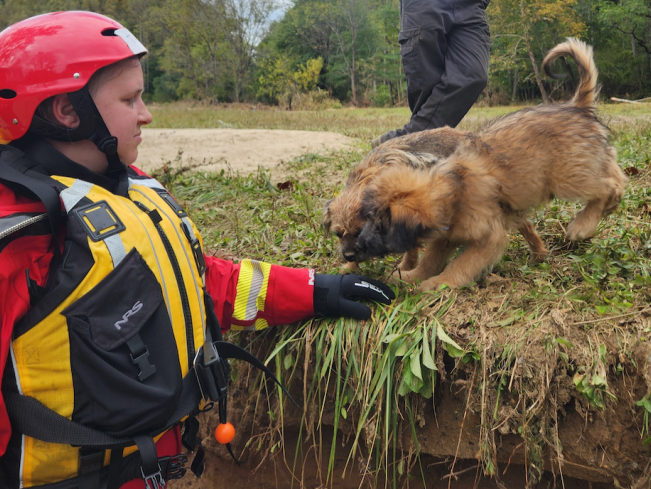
(289, 296)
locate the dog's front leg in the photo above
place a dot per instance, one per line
(409, 260)
(432, 262)
(468, 265)
(536, 245)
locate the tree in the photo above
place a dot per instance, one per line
(281, 83)
(523, 22)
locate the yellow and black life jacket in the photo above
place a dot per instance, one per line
(120, 347)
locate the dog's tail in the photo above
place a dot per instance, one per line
(586, 93)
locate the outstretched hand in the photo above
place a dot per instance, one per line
(336, 295)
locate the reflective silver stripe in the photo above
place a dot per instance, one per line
(73, 194)
(116, 249)
(22, 438)
(188, 259)
(134, 44)
(146, 182)
(188, 226)
(256, 286)
(160, 269)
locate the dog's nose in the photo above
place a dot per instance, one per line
(349, 256)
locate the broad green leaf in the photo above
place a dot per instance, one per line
(446, 339)
(414, 365)
(289, 361)
(428, 358)
(565, 342)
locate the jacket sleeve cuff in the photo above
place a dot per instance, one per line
(290, 296)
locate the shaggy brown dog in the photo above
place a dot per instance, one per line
(420, 150)
(491, 182)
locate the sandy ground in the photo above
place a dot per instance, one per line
(241, 149)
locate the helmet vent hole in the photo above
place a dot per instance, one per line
(108, 32)
(7, 93)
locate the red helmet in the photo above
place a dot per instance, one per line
(51, 54)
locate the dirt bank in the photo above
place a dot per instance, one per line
(240, 149)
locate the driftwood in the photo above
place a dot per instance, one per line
(623, 100)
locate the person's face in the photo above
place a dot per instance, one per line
(119, 101)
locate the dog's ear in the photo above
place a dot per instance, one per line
(401, 201)
(402, 235)
(327, 216)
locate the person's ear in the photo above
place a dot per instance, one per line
(64, 112)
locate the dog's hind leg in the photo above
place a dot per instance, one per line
(409, 260)
(587, 220)
(603, 194)
(469, 265)
(536, 245)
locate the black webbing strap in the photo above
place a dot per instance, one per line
(83, 103)
(30, 417)
(229, 350)
(151, 472)
(44, 192)
(90, 462)
(115, 469)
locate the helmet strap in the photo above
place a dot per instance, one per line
(88, 113)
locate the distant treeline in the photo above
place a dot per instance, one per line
(248, 51)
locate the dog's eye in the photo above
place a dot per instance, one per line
(339, 234)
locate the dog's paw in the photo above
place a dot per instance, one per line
(398, 277)
(577, 231)
(431, 284)
(539, 256)
(349, 267)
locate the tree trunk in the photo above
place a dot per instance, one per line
(515, 85)
(352, 76)
(536, 72)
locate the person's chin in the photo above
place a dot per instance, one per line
(129, 159)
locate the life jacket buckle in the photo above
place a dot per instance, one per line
(153, 481)
(146, 368)
(211, 373)
(173, 467)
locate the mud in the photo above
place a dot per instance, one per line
(241, 150)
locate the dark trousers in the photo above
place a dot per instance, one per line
(444, 45)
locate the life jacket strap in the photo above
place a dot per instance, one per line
(90, 463)
(10, 171)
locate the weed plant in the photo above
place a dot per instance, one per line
(525, 344)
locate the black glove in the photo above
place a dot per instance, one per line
(335, 295)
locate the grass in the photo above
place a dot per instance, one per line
(364, 124)
(580, 317)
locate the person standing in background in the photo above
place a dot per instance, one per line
(444, 45)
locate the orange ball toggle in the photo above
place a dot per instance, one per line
(224, 433)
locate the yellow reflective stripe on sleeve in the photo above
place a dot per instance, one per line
(251, 290)
(261, 324)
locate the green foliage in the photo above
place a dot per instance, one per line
(281, 83)
(220, 49)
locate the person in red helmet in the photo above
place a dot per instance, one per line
(112, 317)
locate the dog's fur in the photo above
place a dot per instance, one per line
(490, 183)
(420, 150)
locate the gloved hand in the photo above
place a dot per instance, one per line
(335, 295)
